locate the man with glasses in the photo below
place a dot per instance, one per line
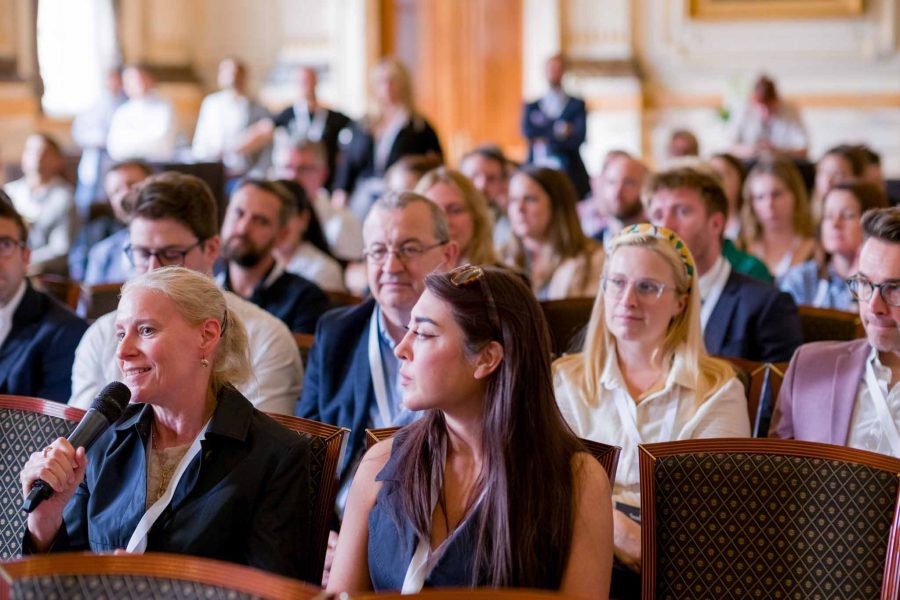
(352, 378)
(740, 316)
(173, 222)
(38, 335)
(846, 393)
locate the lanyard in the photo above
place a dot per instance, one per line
(138, 542)
(881, 407)
(379, 385)
(822, 289)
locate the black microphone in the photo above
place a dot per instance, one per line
(105, 410)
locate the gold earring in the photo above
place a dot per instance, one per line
(204, 363)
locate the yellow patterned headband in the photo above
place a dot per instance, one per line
(667, 235)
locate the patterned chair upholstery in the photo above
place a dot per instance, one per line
(26, 426)
(607, 456)
(328, 443)
(142, 577)
(768, 519)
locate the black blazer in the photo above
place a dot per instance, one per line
(36, 357)
(535, 124)
(334, 122)
(753, 320)
(358, 150)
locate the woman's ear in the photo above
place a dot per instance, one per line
(210, 332)
(488, 360)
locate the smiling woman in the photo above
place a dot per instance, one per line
(191, 467)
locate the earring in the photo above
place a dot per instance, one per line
(204, 363)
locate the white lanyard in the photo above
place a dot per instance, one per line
(138, 542)
(629, 418)
(881, 407)
(821, 298)
(377, 368)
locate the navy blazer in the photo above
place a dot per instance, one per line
(753, 320)
(244, 498)
(535, 124)
(36, 357)
(337, 388)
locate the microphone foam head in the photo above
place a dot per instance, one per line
(112, 400)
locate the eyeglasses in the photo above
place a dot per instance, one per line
(465, 276)
(9, 245)
(646, 289)
(406, 253)
(140, 256)
(862, 289)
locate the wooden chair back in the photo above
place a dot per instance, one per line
(97, 300)
(151, 575)
(567, 320)
(63, 289)
(328, 445)
(820, 324)
(304, 343)
(773, 518)
(606, 455)
(26, 426)
(339, 299)
(467, 594)
(762, 382)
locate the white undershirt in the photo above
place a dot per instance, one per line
(866, 430)
(711, 285)
(8, 311)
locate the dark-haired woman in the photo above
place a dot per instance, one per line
(461, 497)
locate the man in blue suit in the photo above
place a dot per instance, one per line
(556, 127)
(741, 316)
(38, 335)
(352, 375)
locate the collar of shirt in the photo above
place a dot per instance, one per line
(8, 310)
(882, 373)
(612, 379)
(553, 103)
(275, 271)
(708, 280)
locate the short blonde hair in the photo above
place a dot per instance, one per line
(197, 298)
(481, 248)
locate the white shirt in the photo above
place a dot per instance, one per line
(784, 129)
(341, 227)
(276, 370)
(866, 431)
(711, 285)
(224, 115)
(313, 264)
(142, 128)
(51, 216)
(723, 414)
(8, 311)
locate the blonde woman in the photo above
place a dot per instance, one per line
(548, 242)
(644, 375)
(467, 213)
(778, 226)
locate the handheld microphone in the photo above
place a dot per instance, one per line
(105, 410)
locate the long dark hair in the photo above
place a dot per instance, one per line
(526, 515)
(314, 233)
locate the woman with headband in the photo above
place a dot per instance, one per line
(460, 497)
(644, 375)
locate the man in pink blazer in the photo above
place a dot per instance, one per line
(846, 393)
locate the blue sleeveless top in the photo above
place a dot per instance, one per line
(392, 540)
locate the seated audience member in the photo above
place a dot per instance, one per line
(547, 242)
(872, 172)
(172, 221)
(682, 143)
(255, 222)
(845, 393)
(224, 117)
(304, 250)
(766, 124)
(406, 172)
(306, 119)
(106, 260)
(44, 199)
(466, 211)
(617, 194)
(241, 497)
(777, 226)
(352, 377)
(740, 316)
(305, 162)
(555, 126)
(38, 335)
(145, 125)
(392, 129)
(488, 168)
(838, 164)
(644, 375)
(460, 498)
(823, 282)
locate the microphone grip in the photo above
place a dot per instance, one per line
(92, 425)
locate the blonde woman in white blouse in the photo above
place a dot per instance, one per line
(644, 375)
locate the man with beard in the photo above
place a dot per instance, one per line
(617, 192)
(256, 220)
